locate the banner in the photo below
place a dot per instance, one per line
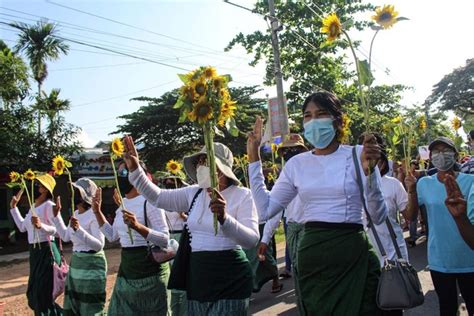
(277, 117)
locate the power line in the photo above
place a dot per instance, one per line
(96, 67)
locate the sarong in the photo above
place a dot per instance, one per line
(294, 233)
(178, 301)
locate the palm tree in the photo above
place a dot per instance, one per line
(51, 105)
(40, 44)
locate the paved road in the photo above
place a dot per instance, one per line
(284, 303)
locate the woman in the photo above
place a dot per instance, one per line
(451, 237)
(140, 288)
(220, 277)
(85, 284)
(42, 250)
(338, 269)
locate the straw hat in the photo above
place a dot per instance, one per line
(293, 140)
(47, 181)
(224, 161)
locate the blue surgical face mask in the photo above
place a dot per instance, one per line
(319, 132)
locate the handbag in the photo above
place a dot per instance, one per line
(59, 271)
(180, 268)
(399, 286)
(158, 254)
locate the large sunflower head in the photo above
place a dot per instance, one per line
(200, 86)
(218, 82)
(456, 123)
(423, 124)
(202, 111)
(29, 175)
(59, 164)
(173, 167)
(209, 72)
(188, 92)
(117, 148)
(332, 27)
(14, 176)
(385, 16)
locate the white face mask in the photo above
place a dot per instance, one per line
(203, 176)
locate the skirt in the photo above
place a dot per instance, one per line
(338, 270)
(294, 233)
(40, 282)
(178, 301)
(227, 279)
(140, 288)
(85, 285)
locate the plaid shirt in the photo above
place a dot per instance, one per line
(468, 167)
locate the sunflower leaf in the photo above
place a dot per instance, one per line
(178, 103)
(228, 78)
(218, 132)
(183, 78)
(401, 18)
(183, 116)
(232, 127)
(67, 164)
(348, 24)
(13, 185)
(366, 76)
(376, 27)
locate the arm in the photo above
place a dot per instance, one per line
(401, 198)
(110, 233)
(63, 231)
(18, 219)
(413, 205)
(48, 228)
(94, 240)
(270, 227)
(172, 200)
(157, 233)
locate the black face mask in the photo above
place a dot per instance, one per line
(77, 198)
(124, 185)
(36, 192)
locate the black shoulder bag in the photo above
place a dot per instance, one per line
(180, 268)
(399, 286)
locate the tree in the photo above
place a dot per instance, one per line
(51, 105)
(455, 92)
(156, 127)
(14, 84)
(40, 44)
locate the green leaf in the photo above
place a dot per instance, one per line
(232, 127)
(218, 132)
(376, 27)
(13, 185)
(67, 164)
(183, 78)
(348, 24)
(183, 116)
(178, 103)
(228, 78)
(401, 18)
(366, 76)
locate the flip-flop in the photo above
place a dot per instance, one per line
(277, 288)
(285, 275)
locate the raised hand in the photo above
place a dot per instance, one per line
(218, 205)
(74, 223)
(254, 140)
(130, 154)
(15, 199)
(57, 207)
(455, 201)
(117, 197)
(262, 248)
(371, 153)
(97, 201)
(36, 222)
(410, 183)
(130, 219)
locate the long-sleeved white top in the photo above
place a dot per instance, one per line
(397, 200)
(158, 229)
(45, 214)
(240, 229)
(327, 187)
(175, 221)
(88, 237)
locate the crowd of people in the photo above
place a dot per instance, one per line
(331, 252)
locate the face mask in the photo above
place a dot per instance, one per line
(36, 192)
(443, 161)
(319, 132)
(77, 198)
(203, 177)
(124, 185)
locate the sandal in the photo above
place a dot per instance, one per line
(285, 275)
(276, 289)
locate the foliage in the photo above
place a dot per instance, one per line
(14, 84)
(155, 127)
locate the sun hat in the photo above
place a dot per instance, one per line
(47, 181)
(443, 140)
(87, 189)
(293, 140)
(163, 175)
(224, 161)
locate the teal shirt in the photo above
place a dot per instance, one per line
(447, 251)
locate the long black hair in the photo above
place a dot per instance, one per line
(330, 102)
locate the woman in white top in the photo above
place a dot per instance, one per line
(42, 251)
(219, 280)
(338, 269)
(140, 288)
(85, 284)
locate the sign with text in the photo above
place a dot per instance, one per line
(424, 152)
(278, 118)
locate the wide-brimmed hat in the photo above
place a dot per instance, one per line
(293, 140)
(162, 175)
(47, 181)
(224, 161)
(87, 188)
(443, 140)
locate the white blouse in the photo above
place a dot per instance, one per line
(158, 229)
(327, 187)
(175, 221)
(240, 228)
(45, 214)
(87, 237)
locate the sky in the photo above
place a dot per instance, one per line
(179, 36)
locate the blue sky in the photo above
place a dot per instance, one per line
(99, 84)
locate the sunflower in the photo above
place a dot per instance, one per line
(227, 111)
(117, 147)
(29, 175)
(224, 93)
(245, 158)
(202, 111)
(173, 166)
(218, 82)
(397, 119)
(188, 92)
(274, 148)
(14, 176)
(191, 75)
(332, 27)
(209, 72)
(199, 86)
(456, 123)
(58, 165)
(385, 16)
(270, 177)
(423, 124)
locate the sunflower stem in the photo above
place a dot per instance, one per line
(209, 142)
(120, 195)
(72, 193)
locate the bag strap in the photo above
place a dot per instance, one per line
(194, 199)
(369, 219)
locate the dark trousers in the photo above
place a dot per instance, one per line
(445, 287)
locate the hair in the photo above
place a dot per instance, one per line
(329, 102)
(378, 138)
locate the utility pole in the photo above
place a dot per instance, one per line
(278, 74)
